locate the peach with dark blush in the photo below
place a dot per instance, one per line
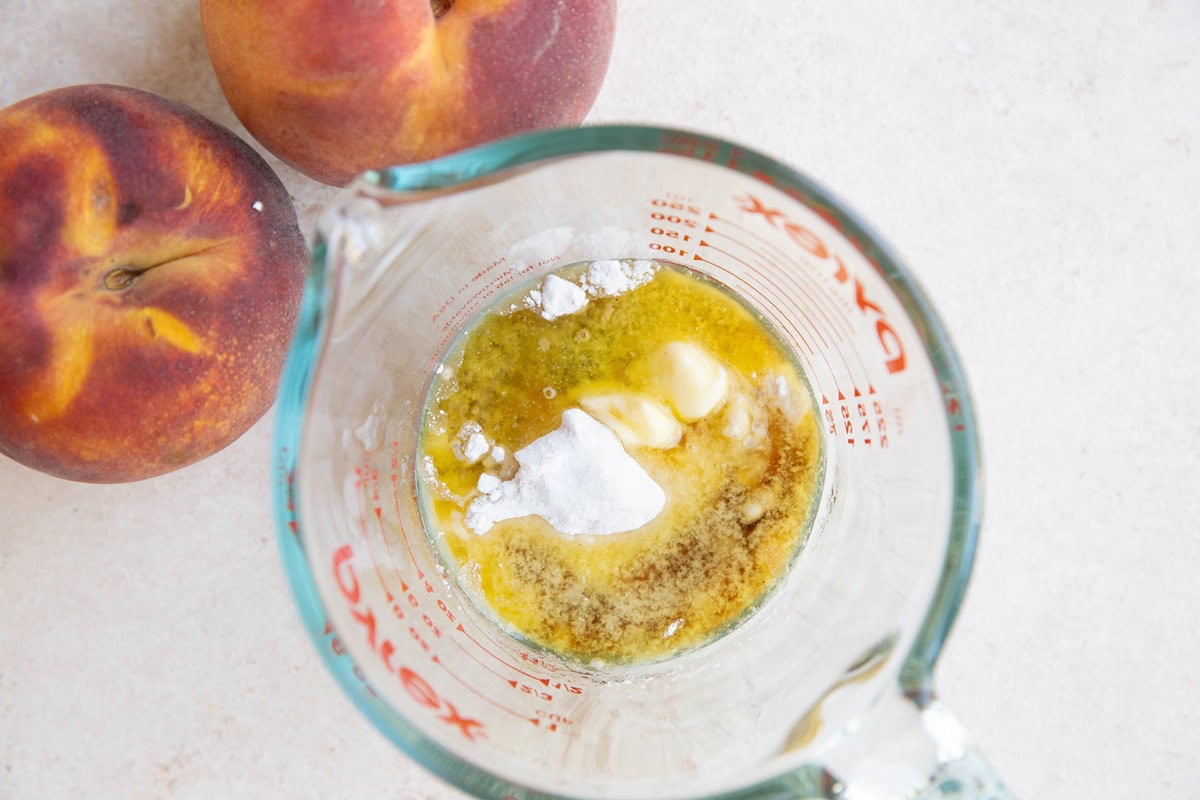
(151, 267)
(336, 88)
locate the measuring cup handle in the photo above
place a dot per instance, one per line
(911, 748)
(963, 773)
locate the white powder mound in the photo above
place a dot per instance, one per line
(578, 478)
(541, 246)
(475, 447)
(608, 278)
(470, 444)
(556, 298)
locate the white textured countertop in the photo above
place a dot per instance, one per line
(1038, 165)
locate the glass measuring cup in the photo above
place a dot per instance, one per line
(826, 690)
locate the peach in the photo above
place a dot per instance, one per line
(151, 268)
(336, 88)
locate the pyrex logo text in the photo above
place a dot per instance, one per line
(416, 686)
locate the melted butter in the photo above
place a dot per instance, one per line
(737, 509)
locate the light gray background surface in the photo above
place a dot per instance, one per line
(1037, 164)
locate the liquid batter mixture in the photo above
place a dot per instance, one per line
(618, 461)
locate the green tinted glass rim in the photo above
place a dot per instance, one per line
(491, 162)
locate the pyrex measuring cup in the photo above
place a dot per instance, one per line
(825, 691)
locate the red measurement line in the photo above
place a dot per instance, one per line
(862, 365)
(798, 268)
(799, 271)
(749, 266)
(383, 532)
(813, 351)
(362, 516)
(485, 666)
(757, 292)
(412, 558)
(477, 643)
(483, 696)
(792, 277)
(806, 362)
(782, 293)
(837, 322)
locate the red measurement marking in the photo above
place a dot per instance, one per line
(335, 644)
(289, 483)
(828, 311)
(821, 320)
(483, 695)
(953, 408)
(478, 644)
(568, 688)
(362, 516)
(797, 277)
(552, 720)
(782, 292)
(780, 314)
(808, 363)
(412, 559)
(515, 684)
(339, 649)
(480, 663)
(688, 145)
(526, 689)
(871, 420)
(683, 198)
(539, 662)
(383, 531)
(889, 340)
